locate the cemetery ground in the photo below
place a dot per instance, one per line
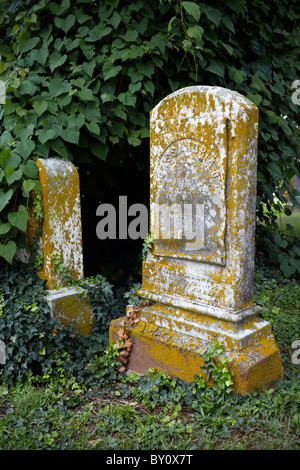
(62, 391)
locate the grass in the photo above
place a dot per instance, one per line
(110, 411)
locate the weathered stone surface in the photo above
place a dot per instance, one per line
(69, 307)
(2, 352)
(199, 275)
(62, 232)
(61, 235)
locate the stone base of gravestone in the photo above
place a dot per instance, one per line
(69, 307)
(255, 366)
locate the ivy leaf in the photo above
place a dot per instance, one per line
(146, 68)
(30, 169)
(19, 218)
(5, 198)
(86, 94)
(40, 107)
(70, 134)
(32, 185)
(99, 149)
(45, 134)
(4, 228)
(109, 70)
(25, 148)
(195, 32)
(8, 251)
(12, 175)
(27, 43)
(93, 127)
(213, 14)
(57, 86)
(56, 60)
(192, 9)
(217, 68)
(236, 75)
(65, 23)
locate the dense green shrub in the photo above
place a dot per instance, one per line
(82, 76)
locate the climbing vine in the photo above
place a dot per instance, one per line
(81, 78)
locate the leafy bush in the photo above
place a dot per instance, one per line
(81, 78)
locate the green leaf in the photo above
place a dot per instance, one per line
(258, 84)
(19, 218)
(212, 14)
(8, 251)
(57, 86)
(25, 148)
(65, 23)
(12, 175)
(58, 146)
(40, 107)
(56, 60)
(99, 149)
(93, 127)
(109, 70)
(4, 228)
(30, 169)
(131, 36)
(236, 75)
(287, 269)
(41, 55)
(32, 185)
(192, 9)
(27, 43)
(127, 99)
(45, 134)
(86, 94)
(228, 23)
(70, 134)
(146, 68)
(217, 68)
(195, 32)
(5, 198)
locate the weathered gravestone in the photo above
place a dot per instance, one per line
(62, 237)
(199, 276)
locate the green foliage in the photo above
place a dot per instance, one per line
(81, 78)
(36, 343)
(280, 302)
(147, 245)
(74, 398)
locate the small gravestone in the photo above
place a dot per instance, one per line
(2, 352)
(62, 219)
(62, 241)
(199, 275)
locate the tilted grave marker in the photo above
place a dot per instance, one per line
(199, 276)
(62, 236)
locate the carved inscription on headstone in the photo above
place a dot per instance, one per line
(188, 208)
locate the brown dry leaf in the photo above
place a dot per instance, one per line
(122, 359)
(124, 353)
(122, 333)
(128, 344)
(95, 441)
(121, 369)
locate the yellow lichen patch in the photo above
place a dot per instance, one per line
(69, 307)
